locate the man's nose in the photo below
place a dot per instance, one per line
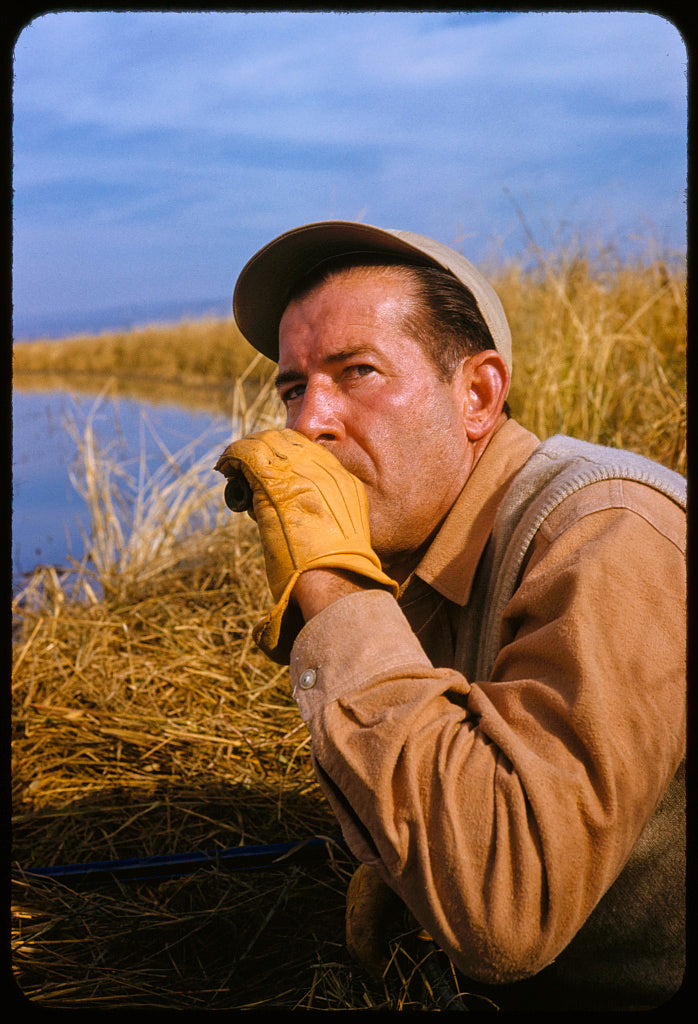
(318, 417)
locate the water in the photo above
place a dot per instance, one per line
(48, 514)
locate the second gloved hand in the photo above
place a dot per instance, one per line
(311, 513)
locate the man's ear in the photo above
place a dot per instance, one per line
(484, 383)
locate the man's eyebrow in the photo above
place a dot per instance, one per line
(287, 377)
(290, 376)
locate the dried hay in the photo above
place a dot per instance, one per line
(151, 725)
(145, 722)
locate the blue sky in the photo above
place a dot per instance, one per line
(155, 152)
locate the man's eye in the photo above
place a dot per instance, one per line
(361, 369)
(296, 391)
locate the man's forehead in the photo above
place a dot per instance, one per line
(346, 316)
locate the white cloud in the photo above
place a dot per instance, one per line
(183, 127)
(222, 70)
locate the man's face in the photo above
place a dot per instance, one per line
(352, 379)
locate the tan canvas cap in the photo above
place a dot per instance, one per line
(267, 280)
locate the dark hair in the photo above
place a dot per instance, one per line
(444, 316)
(447, 321)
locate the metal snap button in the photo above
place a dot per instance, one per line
(307, 679)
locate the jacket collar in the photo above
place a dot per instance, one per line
(449, 564)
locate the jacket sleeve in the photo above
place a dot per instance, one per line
(501, 810)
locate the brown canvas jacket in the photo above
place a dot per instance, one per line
(502, 810)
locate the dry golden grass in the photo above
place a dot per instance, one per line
(145, 721)
(600, 352)
(190, 352)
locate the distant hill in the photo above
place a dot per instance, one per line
(115, 318)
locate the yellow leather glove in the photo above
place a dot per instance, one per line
(311, 513)
(374, 916)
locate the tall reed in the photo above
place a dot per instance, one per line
(600, 350)
(140, 517)
(189, 350)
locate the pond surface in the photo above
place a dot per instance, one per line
(47, 510)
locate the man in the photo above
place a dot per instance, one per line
(485, 634)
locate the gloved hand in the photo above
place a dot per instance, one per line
(311, 513)
(374, 916)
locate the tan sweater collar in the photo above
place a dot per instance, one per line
(450, 562)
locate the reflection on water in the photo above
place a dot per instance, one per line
(47, 512)
(195, 395)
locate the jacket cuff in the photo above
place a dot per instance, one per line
(351, 641)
